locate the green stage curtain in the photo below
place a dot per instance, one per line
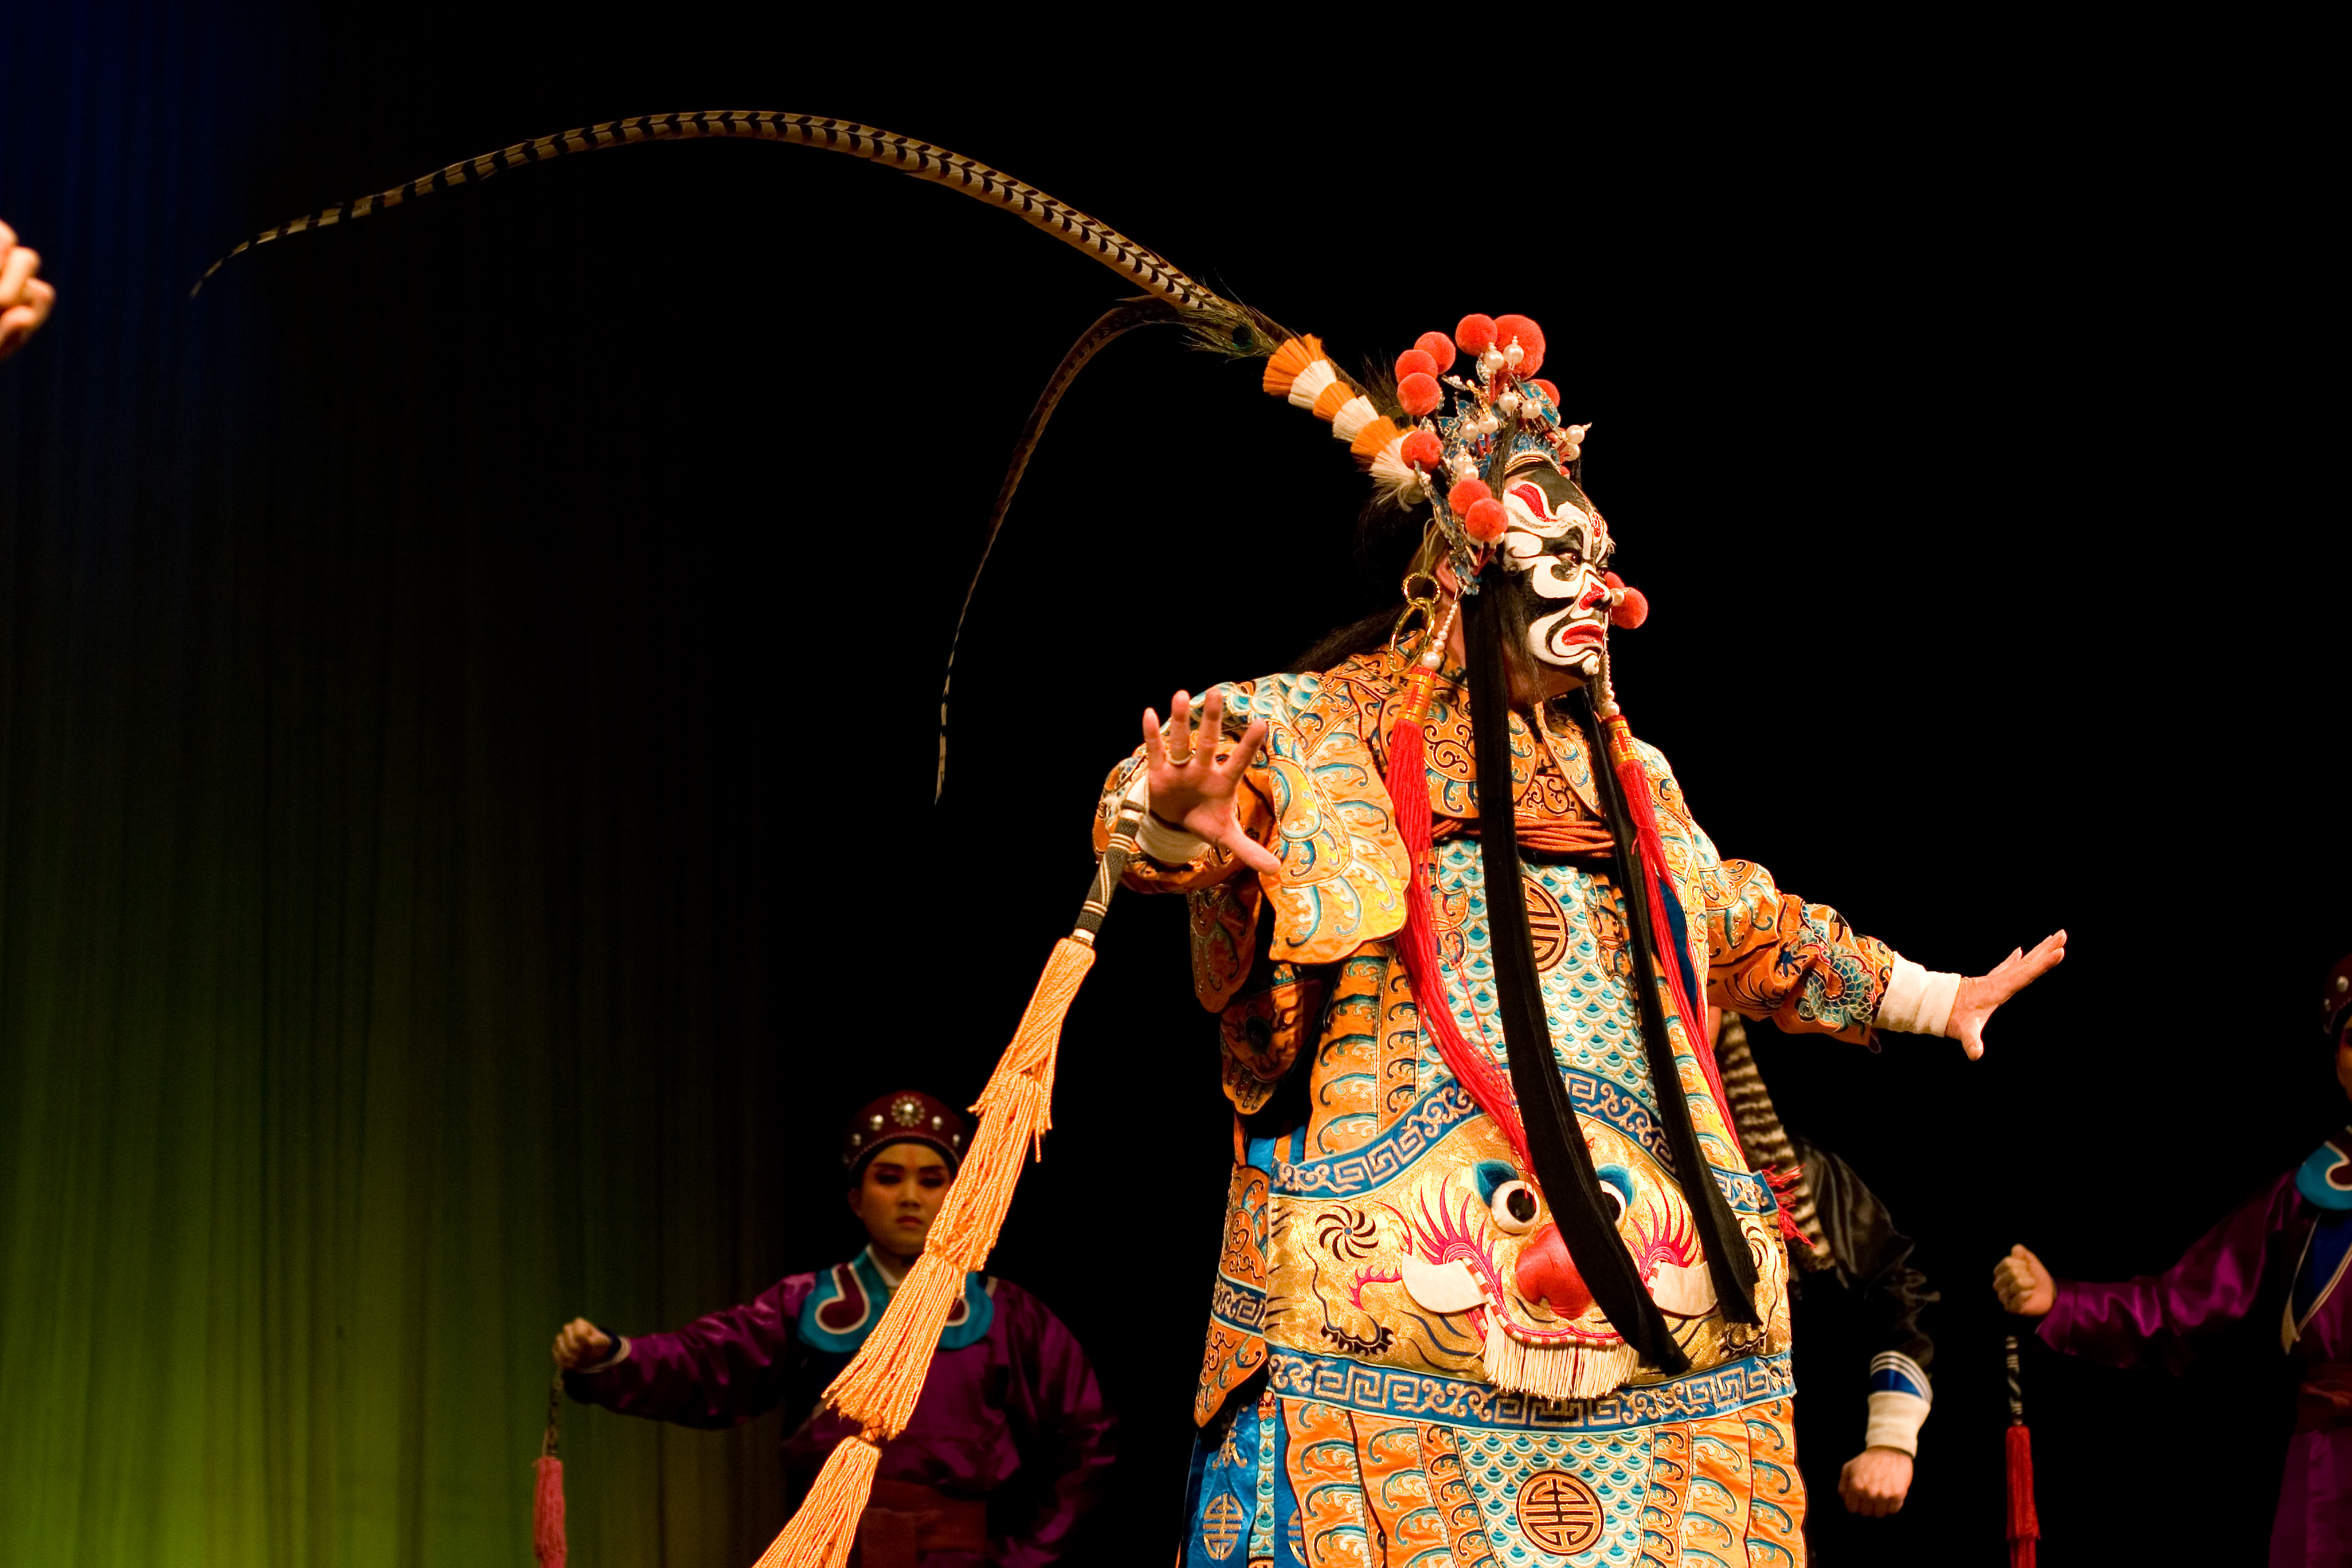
(379, 929)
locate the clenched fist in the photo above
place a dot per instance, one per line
(25, 300)
(2024, 1287)
(1875, 1481)
(581, 1343)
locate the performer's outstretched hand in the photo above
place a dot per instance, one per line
(581, 1343)
(1979, 996)
(2024, 1287)
(1190, 789)
(25, 300)
(1875, 1481)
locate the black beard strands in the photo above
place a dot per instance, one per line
(1563, 1167)
(1728, 1264)
(1521, 606)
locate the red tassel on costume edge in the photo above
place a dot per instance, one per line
(547, 1543)
(1780, 1182)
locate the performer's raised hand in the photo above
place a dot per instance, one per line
(25, 300)
(1979, 996)
(1875, 1481)
(1194, 791)
(2023, 1285)
(581, 1343)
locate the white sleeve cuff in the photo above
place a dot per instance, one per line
(1917, 1001)
(1169, 846)
(1895, 1421)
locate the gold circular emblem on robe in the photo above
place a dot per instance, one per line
(1558, 1512)
(1547, 926)
(1221, 1525)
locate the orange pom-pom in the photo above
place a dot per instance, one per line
(1474, 333)
(1437, 346)
(1420, 393)
(1549, 390)
(1486, 520)
(1631, 607)
(1422, 449)
(1528, 335)
(1467, 494)
(1415, 362)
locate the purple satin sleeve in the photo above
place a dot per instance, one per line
(719, 1370)
(2160, 1317)
(1063, 1427)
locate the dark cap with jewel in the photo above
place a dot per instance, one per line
(2336, 995)
(905, 1117)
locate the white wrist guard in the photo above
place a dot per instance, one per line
(1917, 1001)
(1169, 846)
(1899, 1401)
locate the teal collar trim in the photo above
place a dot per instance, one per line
(2326, 1177)
(851, 1297)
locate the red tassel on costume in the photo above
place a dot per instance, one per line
(1408, 783)
(1635, 785)
(2024, 1528)
(547, 1541)
(1783, 1183)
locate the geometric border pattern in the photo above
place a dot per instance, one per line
(1414, 1134)
(1387, 1391)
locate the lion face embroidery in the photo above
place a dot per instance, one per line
(1476, 1248)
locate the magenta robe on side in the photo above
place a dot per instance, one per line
(2160, 1317)
(1014, 1417)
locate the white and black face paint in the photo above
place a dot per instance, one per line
(1563, 553)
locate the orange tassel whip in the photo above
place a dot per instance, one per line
(824, 1530)
(880, 1386)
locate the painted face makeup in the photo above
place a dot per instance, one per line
(1563, 551)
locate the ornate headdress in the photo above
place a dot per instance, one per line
(1451, 435)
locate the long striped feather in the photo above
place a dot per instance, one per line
(1113, 324)
(1140, 264)
(1213, 322)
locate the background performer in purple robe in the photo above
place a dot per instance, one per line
(2300, 1228)
(1011, 1442)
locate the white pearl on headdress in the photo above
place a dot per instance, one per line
(1509, 403)
(1489, 362)
(1513, 354)
(1486, 424)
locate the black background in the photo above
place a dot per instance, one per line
(1960, 430)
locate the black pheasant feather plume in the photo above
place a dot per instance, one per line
(1211, 322)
